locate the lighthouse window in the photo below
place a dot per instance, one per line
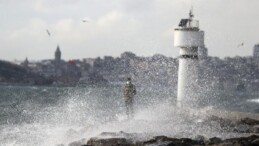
(183, 22)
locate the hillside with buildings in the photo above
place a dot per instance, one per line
(14, 74)
(230, 73)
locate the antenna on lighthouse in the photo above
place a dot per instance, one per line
(191, 15)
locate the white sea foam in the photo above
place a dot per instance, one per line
(88, 113)
(69, 123)
(254, 100)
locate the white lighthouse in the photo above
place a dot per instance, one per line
(188, 37)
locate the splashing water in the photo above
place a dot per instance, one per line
(49, 116)
(253, 100)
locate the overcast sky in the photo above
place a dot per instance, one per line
(144, 27)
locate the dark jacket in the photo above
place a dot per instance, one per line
(129, 91)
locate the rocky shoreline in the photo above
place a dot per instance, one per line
(248, 127)
(252, 140)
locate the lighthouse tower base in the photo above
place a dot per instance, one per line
(187, 91)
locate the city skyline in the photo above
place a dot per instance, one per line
(88, 29)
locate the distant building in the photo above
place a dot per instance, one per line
(89, 61)
(58, 55)
(256, 51)
(46, 68)
(57, 62)
(128, 55)
(25, 63)
(202, 52)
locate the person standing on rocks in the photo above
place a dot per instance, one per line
(129, 93)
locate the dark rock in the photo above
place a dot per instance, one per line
(167, 141)
(78, 143)
(200, 139)
(151, 141)
(255, 142)
(242, 141)
(255, 129)
(113, 139)
(108, 142)
(188, 141)
(213, 140)
(227, 144)
(248, 121)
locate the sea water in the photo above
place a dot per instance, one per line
(46, 116)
